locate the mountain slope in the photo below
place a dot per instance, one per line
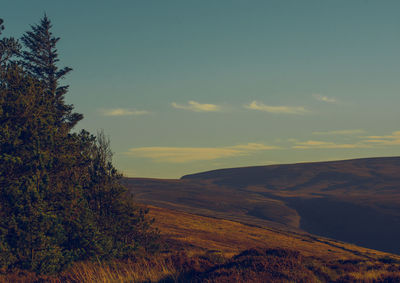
(356, 201)
(243, 253)
(229, 237)
(204, 249)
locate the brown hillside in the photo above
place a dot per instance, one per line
(197, 232)
(204, 249)
(243, 253)
(356, 201)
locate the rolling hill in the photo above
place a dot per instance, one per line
(203, 249)
(244, 253)
(355, 201)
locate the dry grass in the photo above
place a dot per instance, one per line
(205, 233)
(153, 270)
(253, 265)
(203, 249)
(143, 270)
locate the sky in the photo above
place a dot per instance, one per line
(187, 86)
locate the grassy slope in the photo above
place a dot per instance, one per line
(356, 201)
(200, 233)
(301, 257)
(255, 254)
(205, 198)
(204, 249)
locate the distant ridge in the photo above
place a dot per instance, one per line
(395, 160)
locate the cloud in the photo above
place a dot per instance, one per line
(363, 142)
(255, 105)
(253, 146)
(123, 112)
(190, 154)
(197, 107)
(312, 144)
(323, 98)
(393, 139)
(340, 132)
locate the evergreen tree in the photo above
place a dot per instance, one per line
(29, 226)
(9, 47)
(122, 223)
(40, 59)
(60, 196)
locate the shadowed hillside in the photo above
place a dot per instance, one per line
(356, 201)
(204, 249)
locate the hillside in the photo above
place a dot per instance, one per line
(356, 201)
(286, 256)
(201, 233)
(204, 249)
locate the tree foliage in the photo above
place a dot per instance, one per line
(8, 47)
(60, 196)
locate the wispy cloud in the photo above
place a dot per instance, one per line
(339, 132)
(190, 154)
(361, 142)
(324, 98)
(393, 139)
(123, 112)
(312, 144)
(253, 147)
(197, 107)
(255, 105)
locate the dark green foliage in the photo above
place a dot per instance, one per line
(40, 60)
(29, 225)
(9, 47)
(60, 197)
